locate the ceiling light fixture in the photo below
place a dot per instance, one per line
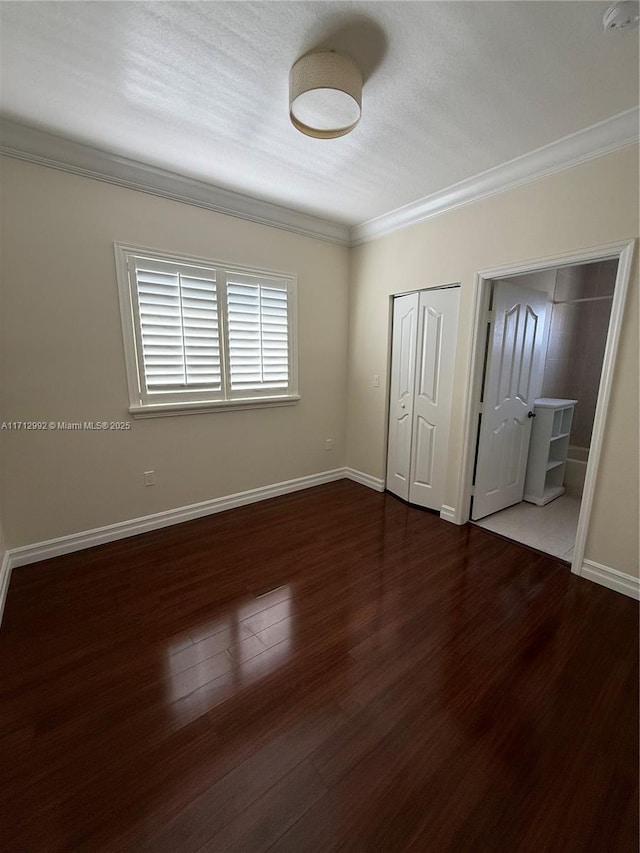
(325, 94)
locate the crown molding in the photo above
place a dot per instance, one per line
(36, 146)
(599, 139)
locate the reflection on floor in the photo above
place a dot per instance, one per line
(329, 670)
(551, 528)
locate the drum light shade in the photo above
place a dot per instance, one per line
(325, 94)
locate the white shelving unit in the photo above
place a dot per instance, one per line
(548, 450)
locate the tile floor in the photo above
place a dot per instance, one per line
(551, 528)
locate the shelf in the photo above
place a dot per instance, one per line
(554, 403)
(548, 495)
(552, 492)
(567, 417)
(548, 448)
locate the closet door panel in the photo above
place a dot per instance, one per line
(435, 359)
(403, 370)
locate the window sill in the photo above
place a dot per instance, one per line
(164, 410)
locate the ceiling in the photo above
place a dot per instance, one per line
(201, 89)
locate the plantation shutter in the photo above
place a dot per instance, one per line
(199, 333)
(258, 332)
(179, 332)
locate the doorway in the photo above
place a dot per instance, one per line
(588, 288)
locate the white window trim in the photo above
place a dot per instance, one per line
(140, 409)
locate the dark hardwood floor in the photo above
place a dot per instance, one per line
(330, 670)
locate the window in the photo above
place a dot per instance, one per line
(201, 335)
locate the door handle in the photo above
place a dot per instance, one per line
(531, 415)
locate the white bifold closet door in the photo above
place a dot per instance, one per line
(425, 326)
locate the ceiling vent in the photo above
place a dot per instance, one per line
(621, 16)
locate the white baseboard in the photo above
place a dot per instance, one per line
(122, 529)
(5, 577)
(364, 479)
(449, 513)
(611, 578)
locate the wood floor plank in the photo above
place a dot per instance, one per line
(259, 826)
(328, 670)
(226, 801)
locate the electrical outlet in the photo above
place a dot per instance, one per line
(149, 478)
(328, 445)
(376, 380)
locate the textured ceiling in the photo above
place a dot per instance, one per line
(201, 88)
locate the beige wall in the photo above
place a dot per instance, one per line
(62, 346)
(3, 547)
(3, 551)
(588, 205)
(4, 575)
(63, 354)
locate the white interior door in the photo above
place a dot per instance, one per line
(513, 380)
(437, 334)
(403, 371)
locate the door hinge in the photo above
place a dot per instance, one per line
(473, 491)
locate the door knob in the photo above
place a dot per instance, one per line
(531, 415)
